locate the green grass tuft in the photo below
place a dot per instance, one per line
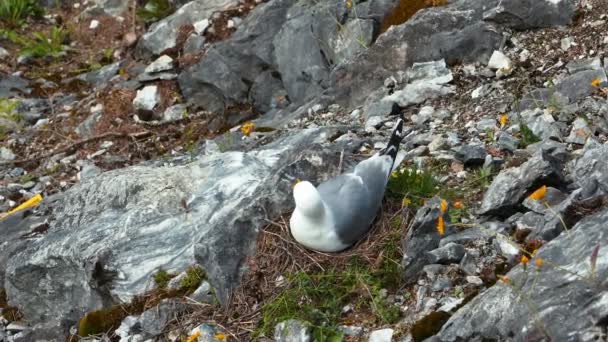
(162, 278)
(527, 136)
(416, 185)
(14, 12)
(194, 277)
(155, 10)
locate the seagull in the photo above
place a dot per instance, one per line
(340, 211)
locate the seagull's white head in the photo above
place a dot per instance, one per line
(308, 200)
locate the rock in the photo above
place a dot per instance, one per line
(194, 44)
(584, 64)
(382, 335)
(154, 321)
(485, 124)
(11, 86)
(438, 144)
(449, 253)
(420, 239)
(100, 77)
(505, 247)
(356, 36)
(466, 236)
(507, 142)
(4, 54)
(267, 92)
(113, 8)
(500, 63)
(373, 122)
(468, 264)
(590, 167)
(6, 154)
(94, 24)
(203, 294)
(201, 26)
(566, 43)
(146, 98)
(162, 35)
(498, 313)
(350, 330)
(580, 132)
(511, 186)
(381, 108)
(292, 331)
(162, 63)
(481, 91)
(427, 80)
(441, 284)
(175, 112)
(527, 14)
(471, 155)
(578, 86)
(449, 32)
(160, 233)
(128, 326)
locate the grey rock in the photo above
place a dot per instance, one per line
(591, 166)
(471, 155)
(203, 294)
(420, 239)
(507, 142)
(449, 32)
(566, 43)
(12, 86)
(481, 91)
(6, 153)
(498, 313)
(350, 330)
(3, 53)
(578, 86)
(355, 36)
(505, 247)
(162, 35)
(128, 326)
(381, 108)
(292, 331)
(441, 284)
(542, 124)
(267, 92)
(447, 254)
(553, 148)
(427, 80)
(468, 264)
(511, 186)
(373, 122)
(584, 64)
(99, 78)
(466, 236)
(485, 124)
(86, 128)
(175, 112)
(113, 8)
(88, 171)
(382, 335)
(542, 98)
(500, 63)
(439, 143)
(112, 233)
(154, 321)
(162, 63)
(527, 14)
(146, 98)
(552, 198)
(580, 132)
(194, 44)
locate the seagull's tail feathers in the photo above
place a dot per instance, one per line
(393, 144)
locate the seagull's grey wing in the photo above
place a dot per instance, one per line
(375, 172)
(348, 199)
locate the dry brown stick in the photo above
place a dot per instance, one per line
(77, 144)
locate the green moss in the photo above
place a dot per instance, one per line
(155, 10)
(527, 136)
(162, 278)
(26, 178)
(101, 321)
(194, 277)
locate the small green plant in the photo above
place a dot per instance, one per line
(155, 10)
(8, 110)
(162, 278)
(527, 136)
(14, 12)
(194, 277)
(490, 135)
(483, 176)
(43, 44)
(26, 178)
(413, 184)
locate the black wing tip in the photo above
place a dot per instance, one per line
(393, 144)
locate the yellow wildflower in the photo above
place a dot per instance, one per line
(220, 336)
(596, 82)
(539, 193)
(349, 4)
(504, 120)
(457, 205)
(194, 337)
(539, 262)
(443, 205)
(440, 226)
(406, 202)
(247, 128)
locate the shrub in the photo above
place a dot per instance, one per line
(14, 12)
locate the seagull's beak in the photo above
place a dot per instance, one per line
(296, 181)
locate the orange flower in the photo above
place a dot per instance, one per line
(505, 279)
(539, 262)
(539, 193)
(524, 259)
(349, 4)
(504, 120)
(443, 206)
(440, 226)
(457, 205)
(194, 337)
(596, 82)
(247, 128)
(220, 336)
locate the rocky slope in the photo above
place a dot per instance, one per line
(166, 168)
